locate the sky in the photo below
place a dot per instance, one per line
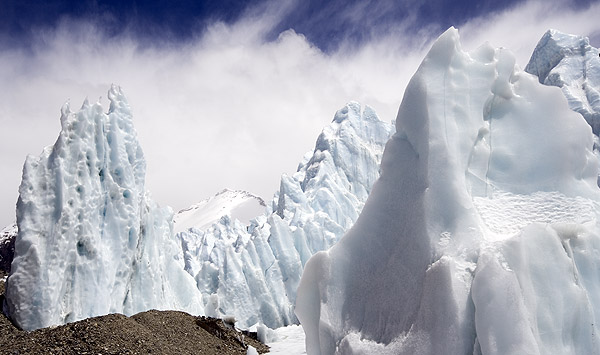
(231, 94)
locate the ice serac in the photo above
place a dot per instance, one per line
(90, 240)
(252, 271)
(480, 236)
(572, 64)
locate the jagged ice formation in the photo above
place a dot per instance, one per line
(90, 240)
(252, 271)
(572, 64)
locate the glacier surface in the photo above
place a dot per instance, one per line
(480, 236)
(252, 271)
(90, 240)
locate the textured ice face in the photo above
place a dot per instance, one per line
(252, 271)
(90, 240)
(433, 265)
(570, 63)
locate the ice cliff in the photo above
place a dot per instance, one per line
(480, 236)
(90, 240)
(570, 63)
(252, 270)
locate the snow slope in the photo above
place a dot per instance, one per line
(481, 236)
(570, 63)
(90, 240)
(252, 271)
(240, 205)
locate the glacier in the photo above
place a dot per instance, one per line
(572, 64)
(90, 240)
(251, 271)
(481, 234)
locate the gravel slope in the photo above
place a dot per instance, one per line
(151, 332)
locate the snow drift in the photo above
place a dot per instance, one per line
(252, 271)
(90, 240)
(481, 234)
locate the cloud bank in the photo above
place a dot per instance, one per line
(234, 106)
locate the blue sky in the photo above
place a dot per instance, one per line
(326, 24)
(227, 94)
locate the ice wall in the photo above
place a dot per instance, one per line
(90, 240)
(252, 271)
(570, 63)
(481, 234)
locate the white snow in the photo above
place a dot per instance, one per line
(505, 213)
(481, 236)
(240, 205)
(7, 237)
(289, 341)
(9, 230)
(90, 239)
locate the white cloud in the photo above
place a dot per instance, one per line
(227, 109)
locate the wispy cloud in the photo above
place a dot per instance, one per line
(235, 106)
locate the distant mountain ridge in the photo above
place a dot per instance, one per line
(236, 204)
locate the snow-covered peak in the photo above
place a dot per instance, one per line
(480, 236)
(7, 246)
(235, 204)
(571, 63)
(90, 241)
(9, 230)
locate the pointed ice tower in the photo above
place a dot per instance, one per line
(90, 240)
(480, 236)
(252, 271)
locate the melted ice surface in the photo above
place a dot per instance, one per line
(506, 214)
